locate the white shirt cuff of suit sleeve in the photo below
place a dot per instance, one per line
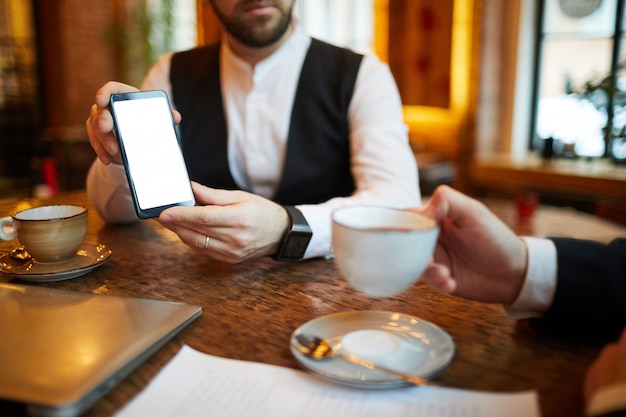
(606, 400)
(540, 283)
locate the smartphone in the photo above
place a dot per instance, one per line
(154, 162)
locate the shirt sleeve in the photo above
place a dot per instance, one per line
(607, 400)
(382, 161)
(109, 193)
(158, 78)
(539, 287)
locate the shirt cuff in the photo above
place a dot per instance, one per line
(540, 282)
(607, 400)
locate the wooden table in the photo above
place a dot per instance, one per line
(264, 301)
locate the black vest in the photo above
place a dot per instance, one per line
(317, 161)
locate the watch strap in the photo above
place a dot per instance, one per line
(296, 239)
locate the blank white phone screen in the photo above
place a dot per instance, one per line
(155, 161)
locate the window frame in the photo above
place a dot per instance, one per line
(618, 33)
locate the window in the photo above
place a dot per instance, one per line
(19, 86)
(20, 109)
(580, 86)
(150, 29)
(177, 34)
(347, 23)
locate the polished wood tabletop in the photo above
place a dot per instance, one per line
(262, 302)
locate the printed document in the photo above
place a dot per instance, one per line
(197, 384)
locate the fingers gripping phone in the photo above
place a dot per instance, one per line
(154, 162)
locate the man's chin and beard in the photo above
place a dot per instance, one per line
(255, 31)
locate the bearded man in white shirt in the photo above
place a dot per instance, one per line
(279, 128)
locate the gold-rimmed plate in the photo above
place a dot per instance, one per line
(87, 258)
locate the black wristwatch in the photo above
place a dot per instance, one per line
(296, 238)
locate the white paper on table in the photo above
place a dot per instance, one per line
(197, 384)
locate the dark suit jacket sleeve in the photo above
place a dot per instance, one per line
(590, 298)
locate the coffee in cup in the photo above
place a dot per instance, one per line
(381, 251)
(50, 233)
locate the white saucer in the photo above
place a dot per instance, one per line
(398, 341)
(88, 257)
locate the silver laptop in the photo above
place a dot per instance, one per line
(60, 351)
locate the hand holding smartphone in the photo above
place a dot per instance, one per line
(154, 162)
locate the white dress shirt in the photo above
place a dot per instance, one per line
(257, 104)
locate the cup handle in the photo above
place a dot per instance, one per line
(4, 234)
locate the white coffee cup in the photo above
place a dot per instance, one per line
(48, 233)
(382, 251)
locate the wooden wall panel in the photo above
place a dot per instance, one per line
(209, 28)
(420, 45)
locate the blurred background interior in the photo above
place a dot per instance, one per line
(502, 98)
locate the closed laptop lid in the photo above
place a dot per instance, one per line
(60, 351)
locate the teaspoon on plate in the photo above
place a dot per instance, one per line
(318, 349)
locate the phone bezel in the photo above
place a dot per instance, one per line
(151, 212)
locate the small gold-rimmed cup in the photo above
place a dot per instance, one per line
(50, 233)
(381, 251)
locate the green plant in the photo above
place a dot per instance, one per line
(605, 94)
(141, 35)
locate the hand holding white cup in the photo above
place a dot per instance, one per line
(48, 233)
(382, 251)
